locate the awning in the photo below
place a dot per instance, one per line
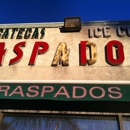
(65, 91)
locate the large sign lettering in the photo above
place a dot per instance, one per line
(114, 51)
(61, 56)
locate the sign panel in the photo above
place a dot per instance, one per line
(65, 91)
(97, 52)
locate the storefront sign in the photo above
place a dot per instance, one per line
(65, 91)
(100, 51)
(62, 53)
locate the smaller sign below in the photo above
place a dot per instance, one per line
(65, 91)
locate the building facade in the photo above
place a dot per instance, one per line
(65, 80)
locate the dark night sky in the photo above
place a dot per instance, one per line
(31, 11)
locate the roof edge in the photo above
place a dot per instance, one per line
(60, 24)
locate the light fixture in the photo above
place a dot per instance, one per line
(72, 24)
